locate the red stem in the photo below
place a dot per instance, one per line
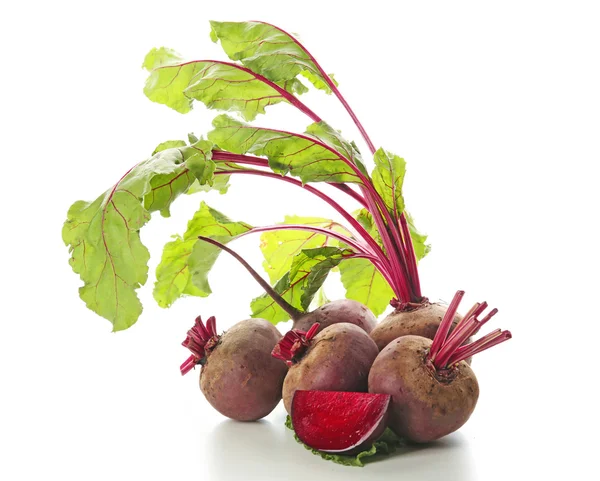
(393, 246)
(375, 254)
(400, 284)
(332, 86)
(410, 274)
(406, 281)
(348, 190)
(258, 161)
(188, 365)
(459, 336)
(446, 351)
(383, 264)
(375, 249)
(466, 329)
(413, 271)
(470, 350)
(444, 328)
(286, 306)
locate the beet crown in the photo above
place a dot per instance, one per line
(200, 340)
(294, 344)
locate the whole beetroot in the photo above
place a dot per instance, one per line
(336, 359)
(434, 391)
(239, 377)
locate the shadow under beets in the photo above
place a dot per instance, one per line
(267, 450)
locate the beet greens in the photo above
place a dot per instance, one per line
(376, 249)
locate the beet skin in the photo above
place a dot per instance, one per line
(338, 359)
(424, 406)
(342, 310)
(423, 321)
(240, 379)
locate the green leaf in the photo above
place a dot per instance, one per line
(220, 184)
(365, 284)
(280, 246)
(388, 177)
(266, 308)
(301, 156)
(385, 445)
(299, 285)
(418, 239)
(186, 261)
(104, 240)
(199, 162)
(268, 51)
(218, 85)
(317, 263)
(333, 138)
(170, 144)
(194, 164)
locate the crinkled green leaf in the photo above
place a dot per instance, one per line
(170, 144)
(194, 164)
(186, 261)
(317, 263)
(280, 246)
(268, 51)
(365, 284)
(301, 156)
(220, 184)
(388, 177)
(385, 445)
(218, 85)
(333, 138)
(200, 163)
(103, 235)
(298, 286)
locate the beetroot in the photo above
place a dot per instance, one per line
(339, 422)
(239, 378)
(336, 359)
(434, 391)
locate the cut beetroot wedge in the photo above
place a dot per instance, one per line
(339, 422)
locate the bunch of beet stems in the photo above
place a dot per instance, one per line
(398, 264)
(448, 350)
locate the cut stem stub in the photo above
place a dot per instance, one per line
(294, 344)
(200, 340)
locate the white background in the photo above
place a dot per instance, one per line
(494, 105)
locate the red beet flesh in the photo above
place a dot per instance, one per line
(339, 422)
